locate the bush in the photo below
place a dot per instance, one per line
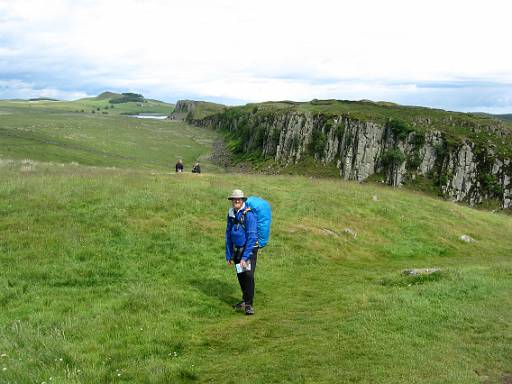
(400, 129)
(418, 140)
(490, 184)
(127, 97)
(393, 157)
(340, 131)
(259, 138)
(441, 150)
(276, 134)
(414, 161)
(443, 179)
(318, 141)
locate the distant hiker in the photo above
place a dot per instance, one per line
(242, 247)
(196, 168)
(179, 166)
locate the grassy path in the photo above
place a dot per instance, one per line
(118, 276)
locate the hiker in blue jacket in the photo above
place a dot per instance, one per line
(242, 247)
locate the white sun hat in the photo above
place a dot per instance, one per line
(237, 194)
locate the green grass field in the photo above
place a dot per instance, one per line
(52, 131)
(112, 268)
(119, 276)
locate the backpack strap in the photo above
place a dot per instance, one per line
(232, 216)
(242, 218)
(242, 221)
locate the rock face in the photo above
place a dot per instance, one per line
(183, 109)
(185, 106)
(461, 171)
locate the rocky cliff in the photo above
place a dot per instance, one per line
(185, 106)
(468, 166)
(191, 109)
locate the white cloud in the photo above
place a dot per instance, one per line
(259, 50)
(21, 90)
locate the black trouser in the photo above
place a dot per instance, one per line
(246, 279)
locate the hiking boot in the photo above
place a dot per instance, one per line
(240, 305)
(249, 310)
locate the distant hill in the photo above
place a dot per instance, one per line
(504, 117)
(123, 103)
(107, 95)
(507, 117)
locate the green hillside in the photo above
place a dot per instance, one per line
(55, 131)
(103, 104)
(507, 117)
(119, 276)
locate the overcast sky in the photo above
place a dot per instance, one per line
(450, 54)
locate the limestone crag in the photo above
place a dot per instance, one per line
(293, 140)
(359, 149)
(362, 148)
(464, 180)
(185, 106)
(428, 152)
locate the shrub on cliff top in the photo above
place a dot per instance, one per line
(400, 129)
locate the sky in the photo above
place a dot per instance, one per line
(446, 54)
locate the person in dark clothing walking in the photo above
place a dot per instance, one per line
(196, 168)
(242, 247)
(179, 166)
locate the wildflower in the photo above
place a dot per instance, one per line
(4, 369)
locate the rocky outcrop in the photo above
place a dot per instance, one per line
(185, 106)
(462, 171)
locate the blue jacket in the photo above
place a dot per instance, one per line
(238, 235)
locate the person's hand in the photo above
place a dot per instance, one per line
(228, 262)
(243, 263)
